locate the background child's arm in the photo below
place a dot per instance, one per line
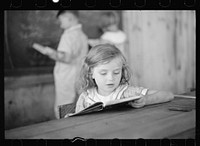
(53, 54)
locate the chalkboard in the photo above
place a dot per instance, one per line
(23, 28)
(26, 27)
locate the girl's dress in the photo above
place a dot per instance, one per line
(91, 96)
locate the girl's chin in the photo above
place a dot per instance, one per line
(106, 92)
(110, 89)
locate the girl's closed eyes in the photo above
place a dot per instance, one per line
(103, 73)
(116, 72)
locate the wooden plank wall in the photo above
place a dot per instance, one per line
(28, 100)
(161, 49)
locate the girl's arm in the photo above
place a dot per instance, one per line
(153, 97)
(80, 104)
(83, 102)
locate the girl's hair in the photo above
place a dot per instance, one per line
(101, 54)
(109, 18)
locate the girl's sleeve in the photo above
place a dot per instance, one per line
(80, 104)
(135, 91)
(83, 102)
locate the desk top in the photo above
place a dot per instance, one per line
(154, 121)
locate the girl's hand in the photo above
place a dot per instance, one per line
(67, 115)
(138, 103)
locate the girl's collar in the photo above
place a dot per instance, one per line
(99, 95)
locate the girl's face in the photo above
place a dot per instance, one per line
(107, 76)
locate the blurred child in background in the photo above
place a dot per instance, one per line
(73, 46)
(111, 32)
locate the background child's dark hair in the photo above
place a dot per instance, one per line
(109, 18)
(99, 54)
(74, 12)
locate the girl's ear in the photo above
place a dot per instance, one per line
(92, 75)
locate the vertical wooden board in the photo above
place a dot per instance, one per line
(133, 28)
(185, 55)
(144, 51)
(158, 70)
(192, 44)
(161, 48)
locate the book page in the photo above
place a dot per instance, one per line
(94, 107)
(121, 100)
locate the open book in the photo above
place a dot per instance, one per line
(98, 106)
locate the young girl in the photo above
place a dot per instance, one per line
(105, 76)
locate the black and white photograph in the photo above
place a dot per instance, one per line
(100, 74)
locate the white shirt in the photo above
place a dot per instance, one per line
(74, 42)
(117, 38)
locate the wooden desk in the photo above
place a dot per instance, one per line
(154, 121)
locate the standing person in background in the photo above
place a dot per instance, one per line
(111, 32)
(73, 46)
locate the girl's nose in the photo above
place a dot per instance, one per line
(110, 77)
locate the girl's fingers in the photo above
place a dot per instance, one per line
(137, 103)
